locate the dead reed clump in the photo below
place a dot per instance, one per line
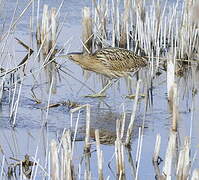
(101, 10)
(87, 30)
(46, 35)
(47, 31)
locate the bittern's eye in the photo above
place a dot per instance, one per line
(70, 56)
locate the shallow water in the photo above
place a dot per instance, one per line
(28, 136)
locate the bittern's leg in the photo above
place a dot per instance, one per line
(132, 96)
(102, 92)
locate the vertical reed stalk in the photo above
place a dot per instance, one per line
(183, 165)
(99, 156)
(169, 155)
(175, 108)
(87, 30)
(130, 127)
(54, 161)
(119, 153)
(67, 157)
(156, 156)
(157, 148)
(87, 144)
(170, 79)
(2, 167)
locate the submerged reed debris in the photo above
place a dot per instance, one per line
(25, 164)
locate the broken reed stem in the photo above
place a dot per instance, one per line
(87, 31)
(170, 79)
(87, 137)
(99, 155)
(130, 127)
(119, 153)
(157, 148)
(156, 156)
(2, 167)
(195, 175)
(17, 104)
(131, 162)
(87, 144)
(87, 174)
(183, 165)
(67, 168)
(47, 31)
(175, 108)
(124, 34)
(54, 161)
(169, 155)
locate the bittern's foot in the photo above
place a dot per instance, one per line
(97, 95)
(132, 96)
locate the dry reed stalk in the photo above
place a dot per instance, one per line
(130, 127)
(99, 156)
(124, 34)
(195, 174)
(183, 166)
(54, 27)
(2, 168)
(175, 108)
(44, 31)
(47, 31)
(157, 148)
(68, 170)
(47, 34)
(155, 158)
(87, 144)
(23, 62)
(123, 120)
(87, 30)
(131, 162)
(16, 105)
(170, 79)
(169, 155)
(100, 22)
(15, 20)
(119, 153)
(54, 161)
(115, 23)
(87, 137)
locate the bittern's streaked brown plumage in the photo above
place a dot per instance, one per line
(111, 62)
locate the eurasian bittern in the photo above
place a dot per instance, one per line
(111, 62)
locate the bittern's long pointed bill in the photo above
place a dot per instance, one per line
(69, 55)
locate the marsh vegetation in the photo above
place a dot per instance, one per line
(50, 130)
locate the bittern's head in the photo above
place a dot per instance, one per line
(75, 56)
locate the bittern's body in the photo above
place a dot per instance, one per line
(111, 62)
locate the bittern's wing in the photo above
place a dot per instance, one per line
(118, 59)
